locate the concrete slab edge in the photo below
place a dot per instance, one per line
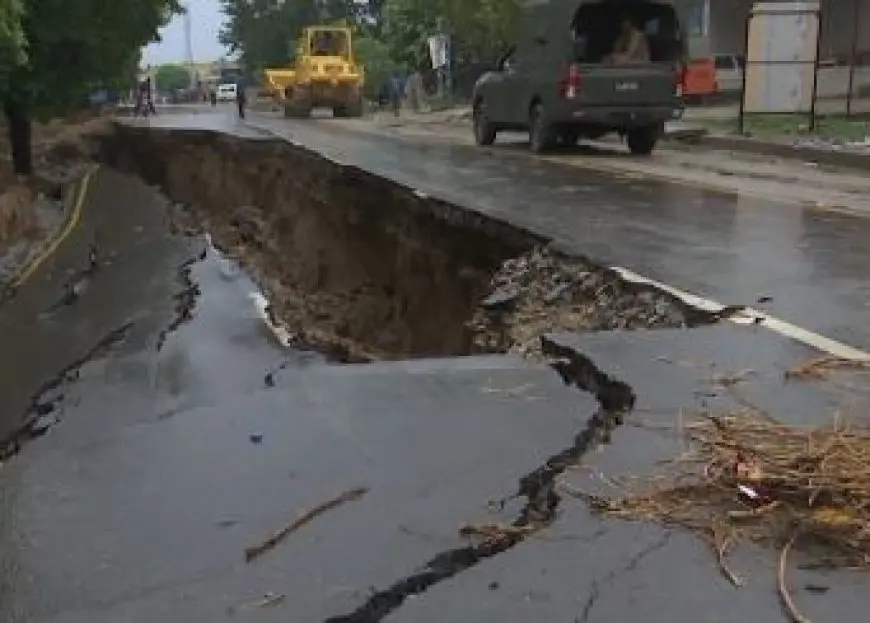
(538, 488)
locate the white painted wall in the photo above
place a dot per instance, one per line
(728, 19)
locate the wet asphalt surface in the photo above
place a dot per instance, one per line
(165, 464)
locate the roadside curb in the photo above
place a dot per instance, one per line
(76, 197)
(846, 159)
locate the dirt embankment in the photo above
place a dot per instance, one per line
(345, 257)
(26, 213)
(371, 268)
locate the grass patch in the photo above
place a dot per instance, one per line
(772, 126)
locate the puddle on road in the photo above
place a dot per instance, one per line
(251, 300)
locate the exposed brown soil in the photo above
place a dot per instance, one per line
(346, 258)
(369, 269)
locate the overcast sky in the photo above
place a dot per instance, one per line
(206, 19)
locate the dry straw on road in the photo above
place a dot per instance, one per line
(747, 477)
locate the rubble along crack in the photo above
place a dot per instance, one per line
(538, 487)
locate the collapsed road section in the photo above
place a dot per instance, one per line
(361, 265)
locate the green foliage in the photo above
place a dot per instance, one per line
(263, 31)
(172, 77)
(393, 32)
(12, 43)
(480, 29)
(374, 55)
(76, 47)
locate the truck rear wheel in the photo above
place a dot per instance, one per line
(642, 141)
(568, 138)
(484, 130)
(540, 132)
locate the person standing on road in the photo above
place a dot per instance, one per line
(149, 96)
(241, 98)
(397, 92)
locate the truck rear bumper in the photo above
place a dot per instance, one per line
(618, 117)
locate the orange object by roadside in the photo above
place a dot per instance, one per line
(700, 78)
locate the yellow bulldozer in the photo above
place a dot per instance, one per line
(325, 75)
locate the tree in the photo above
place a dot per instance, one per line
(72, 49)
(263, 31)
(374, 55)
(172, 77)
(12, 44)
(480, 29)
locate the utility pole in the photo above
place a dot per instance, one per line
(188, 45)
(445, 71)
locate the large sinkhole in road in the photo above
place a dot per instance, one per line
(369, 269)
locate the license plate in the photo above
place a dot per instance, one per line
(626, 85)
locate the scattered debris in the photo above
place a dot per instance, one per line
(494, 531)
(521, 391)
(255, 551)
(784, 593)
(541, 292)
(750, 477)
(730, 380)
(817, 588)
(820, 367)
(267, 601)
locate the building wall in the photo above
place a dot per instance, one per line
(725, 29)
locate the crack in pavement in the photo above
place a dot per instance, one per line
(40, 414)
(76, 286)
(633, 563)
(185, 300)
(538, 487)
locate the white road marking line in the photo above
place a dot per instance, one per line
(748, 317)
(280, 333)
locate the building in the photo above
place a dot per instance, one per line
(719, 26)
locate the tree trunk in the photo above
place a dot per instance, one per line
(19, 137)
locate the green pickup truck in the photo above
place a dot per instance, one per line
(560, 83)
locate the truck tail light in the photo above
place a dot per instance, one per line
(573, 81)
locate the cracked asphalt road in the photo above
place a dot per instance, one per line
(728, 247)
(167, 464)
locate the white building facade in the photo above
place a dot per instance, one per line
(719, 26)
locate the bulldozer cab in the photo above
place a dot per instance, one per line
(333, 42)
